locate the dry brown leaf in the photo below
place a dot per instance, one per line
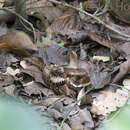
(34, 72)
(120, 9)
(6, 59)
(126, 48)
(98, 78)
(93, 34)
(50, 12)
(17, 42)
(6, 80)
(53, 54)
(32, 8)
(124, 69)
(90, 5)
(67, 24)
(82, 120)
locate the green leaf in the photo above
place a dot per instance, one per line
(120, 120)
(61, 44)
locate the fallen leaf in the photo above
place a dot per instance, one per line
(35, 73)
(53, 54)
(81, 120)
(3, 28)
(18, 42)
(6, 59)
(126, 48)
(98, 78)
(107, 102)
(34, 89)
(67, 24)
(11, 71)
(6, 80)
(80, 95)
(124, 69)
(1, 3)
(101, 58)
(126, 84)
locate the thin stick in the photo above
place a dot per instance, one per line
(67, 115)
(23, 19)
(105, 9)
(94, 17)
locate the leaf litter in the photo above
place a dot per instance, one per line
(56, 79)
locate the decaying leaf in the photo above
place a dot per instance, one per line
(126, 48)
(3, 28)
(6, 59)
(107, 102)
(73, 61)
(101, 58)
(50, 12)
(120, 10)
(124, 69)
(32, 8)
(6, 80)
(80, 94)
(53, 54)
(98, 78)
(126, 84)
(67, 24)
(1, 3)
(17, 42)
(33, 71)
(82, 120)
(11, 71)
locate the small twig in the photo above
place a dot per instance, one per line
(23, 19)
(116, 85)
(105, 9)
(67, 115)
(94, 17)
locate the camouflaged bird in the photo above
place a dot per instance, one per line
(63, 80)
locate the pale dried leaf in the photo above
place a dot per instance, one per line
(101, 58)
(80, 95)
(126, 84)
(1, 3)
(11, 71)
(108, 101)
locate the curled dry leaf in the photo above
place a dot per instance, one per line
(6, 80)
(17, 42)
(66, 24)
(126, 49)
(126, 84)
(80, 94)
(98, 78)
(1, 3)
(34, 72)
(3, 28)
(53, 54)
(121, 10)
(6, 59)
(32, 8)
(124, 69)
(82, 120)
(50, 12)
(107, 102)
(11, 71)
(101, 58)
